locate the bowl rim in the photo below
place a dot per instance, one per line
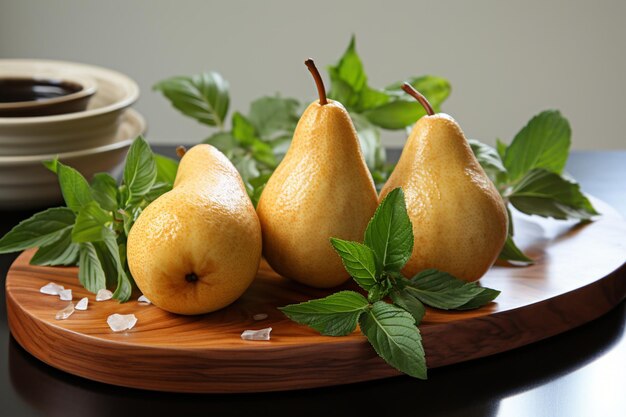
(131, 116)
(88, 85)
(130, 86)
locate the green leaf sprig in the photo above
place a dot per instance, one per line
(529, 175)
(258, 140)
(375, 265)
(92, 229)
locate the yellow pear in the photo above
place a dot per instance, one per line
(459, 219)
(197, 248)
(321, 189)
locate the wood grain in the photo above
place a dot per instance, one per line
(580, 274)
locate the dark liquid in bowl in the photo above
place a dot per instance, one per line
(13, 90)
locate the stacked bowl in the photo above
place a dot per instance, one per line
(77, 113)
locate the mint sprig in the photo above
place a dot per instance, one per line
(258, 140)
(359, 260)
(203, 97)
(389, 233)
(375, 265)
(41, 229)
(528, 173)
(335, 315)
(394, 336)
(91, 231)
(441, 290)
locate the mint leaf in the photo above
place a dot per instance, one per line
(166, 169)
(91, 225)
(485, 297)
(140, 170)
(245, 133)
(335, 315)
(442, 290)
(108, 263)
(61, 251)
(393, 334)
(248, 169)
(104, 191)
(390, 234)
(263, 153)
(369, 139)
(39, 230)
(511, 231)
(395, 115)
(124, 286)
(74, 187)
(510, 252)
(257, 185)
(408, 302)
(349, 83)
(243, 130)
(157, 190)
(401, 110)
(501, 148)
(435, 89)
(543, 143)
(489, 159)
(90, 273)
(274, 117)
(547, 194)
(52, 164)
(347, 77)
(224, 141)
(129, 216)
(203, 97)
(358, 260)
(370, 98)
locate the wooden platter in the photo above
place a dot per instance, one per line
(580, 274)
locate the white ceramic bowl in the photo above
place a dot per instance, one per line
(94, 127)
(26, 183)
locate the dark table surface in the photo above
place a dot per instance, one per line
(578, 373)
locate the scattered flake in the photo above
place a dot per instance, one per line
(65, 313)
(263, 334)
(82, 304)
(143, 300)
(260, 316)
(65, 295)
(51, 289)
(121, 322)
(104, 295)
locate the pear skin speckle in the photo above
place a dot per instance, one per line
(459, 219)
(321, 189)
(206, 225)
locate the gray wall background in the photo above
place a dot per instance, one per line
(506, 60)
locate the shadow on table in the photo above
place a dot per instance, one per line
(469, 389)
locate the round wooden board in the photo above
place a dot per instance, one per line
(580, 274)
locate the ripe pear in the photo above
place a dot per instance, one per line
(197, 248)
(459, 219)
(321, 189)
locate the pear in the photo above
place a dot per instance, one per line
(321, 189)
(197, 248)
(459, 219)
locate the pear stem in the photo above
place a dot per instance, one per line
(181, 151)
(419, 97)
(321, 91)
